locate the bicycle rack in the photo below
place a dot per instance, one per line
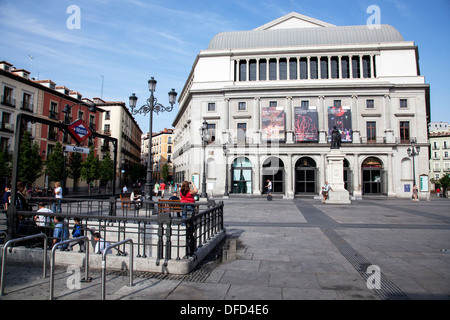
(105, 252)
(86, 261)
(2, 283)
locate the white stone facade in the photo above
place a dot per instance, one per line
(375, 88)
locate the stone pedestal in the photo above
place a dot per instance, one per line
(335, 177)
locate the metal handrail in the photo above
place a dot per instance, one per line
(52, 261)
(105, 252)
(43, 235)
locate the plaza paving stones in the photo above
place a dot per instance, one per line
(295, 249)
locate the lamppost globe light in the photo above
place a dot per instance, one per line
(133, 100)
(172, 97)
(152, 84)
(409, 152)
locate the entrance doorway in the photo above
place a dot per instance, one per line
(305, 176)
(241, 176)
(372, 176)
(273, 169)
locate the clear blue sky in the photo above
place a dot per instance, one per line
(129, 41)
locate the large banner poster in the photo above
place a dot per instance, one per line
(273, 123)
(306, 125)
(341, 117)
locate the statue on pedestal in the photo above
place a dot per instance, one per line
(335, 138)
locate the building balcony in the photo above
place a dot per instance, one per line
(7, 127)
(6, 101)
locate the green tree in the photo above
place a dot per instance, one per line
(6, 167)
(74, 168)
(90, 169)
(106, 170)
(30, 161)
(445, 183)
(55, 164)
(165, 172)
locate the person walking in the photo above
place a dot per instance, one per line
(162, 186)
(415, 193)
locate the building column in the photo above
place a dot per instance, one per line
(350, 66)
(372, 66)
(237, 69)
(329, 67)
(355, 120)
(226, 121)
(298, 68)
(340, 67)
(308, 70)
(257, 119)
(361, 69)
(247, 68)
(387, 116)
(289, 191)
(278, 68)
(257, 176)
(288, 111)
(356, 177)
(257, 69)
(319, 69)
(322, 119)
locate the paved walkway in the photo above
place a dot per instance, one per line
(292, 250)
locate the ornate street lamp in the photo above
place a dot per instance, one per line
(412, 153)
(151, 105)
(225, 153)
(206, 137)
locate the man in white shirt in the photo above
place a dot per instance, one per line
(325, 189)
(101, 244)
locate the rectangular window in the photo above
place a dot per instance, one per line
(313, 68)
(305, 105)
(345, 67)
(252, 70)
(371, 131)
(356, 67)
(107, 115)
(303, 68)
(283, 69)
(212, 131)
(403, 103)
(366, 66)
(273, 69)
(27, 102)
(273, 104)
(242, 106)
(211, 107)
(370, 104)
(293, 69)
(241, 132)
(263, 70)
(337, 103)
(53, 113)
(404, 131)
(242, 70)
(335, 68)
(324, 68)
(8, 97)
(107, 129)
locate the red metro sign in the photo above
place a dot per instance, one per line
(79, 131)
